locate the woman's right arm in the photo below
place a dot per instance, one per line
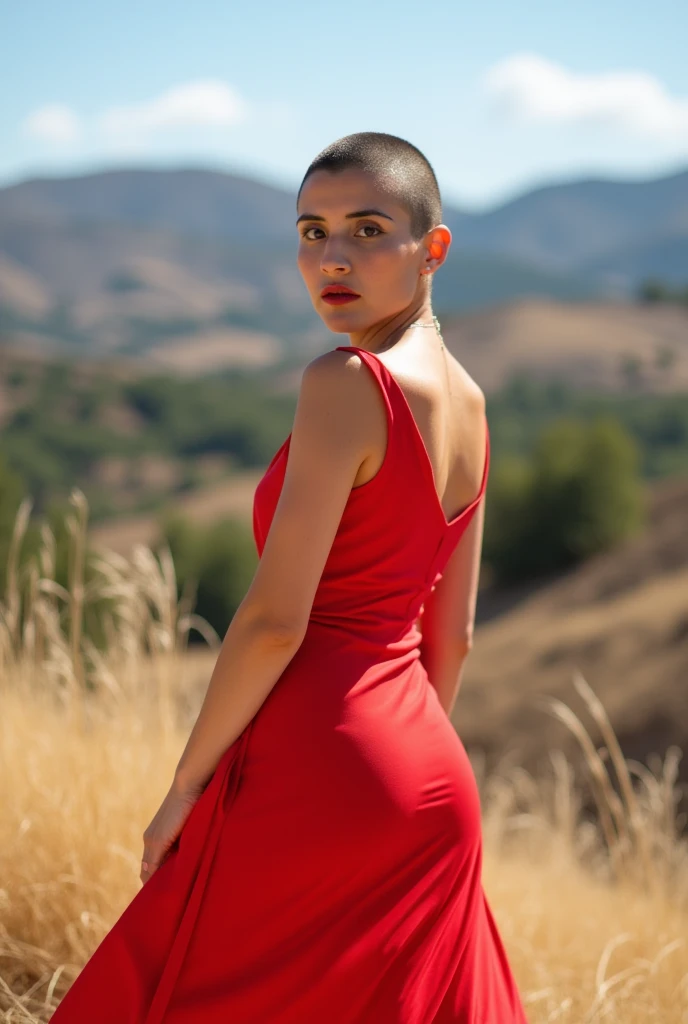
(448, 617)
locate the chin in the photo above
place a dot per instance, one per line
(340, 324)
(339, 328)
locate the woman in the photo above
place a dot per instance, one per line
(317, 859)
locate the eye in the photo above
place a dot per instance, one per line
(364, 227)
(374, 227)
(304, 233)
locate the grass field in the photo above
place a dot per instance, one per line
(593, 909)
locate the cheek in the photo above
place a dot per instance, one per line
(394, 262)
(306, 262)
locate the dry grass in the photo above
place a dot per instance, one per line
(593, 909)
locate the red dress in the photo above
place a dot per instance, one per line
(330, 873)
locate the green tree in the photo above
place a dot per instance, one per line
(506, 518)
(217, 561)
(653, 290)
(580, 495)
(665, 358)
(632, 370)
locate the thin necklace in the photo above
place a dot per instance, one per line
(434, 323)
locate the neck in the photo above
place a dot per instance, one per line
(387, 333)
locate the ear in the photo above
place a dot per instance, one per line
(437, 244)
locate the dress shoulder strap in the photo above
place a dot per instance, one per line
(380, 373)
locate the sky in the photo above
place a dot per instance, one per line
(501, 97)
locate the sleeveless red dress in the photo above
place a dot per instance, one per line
(330, 872)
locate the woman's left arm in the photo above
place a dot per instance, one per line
(327, 446)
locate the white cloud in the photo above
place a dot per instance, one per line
(529, 87)
(204, 103)
(53, 122)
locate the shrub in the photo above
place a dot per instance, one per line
(217, 562)
(580, 495)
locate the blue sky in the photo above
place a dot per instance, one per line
(500, 96)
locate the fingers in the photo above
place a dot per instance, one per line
(151, 862)
(153, 855)
(147, 869)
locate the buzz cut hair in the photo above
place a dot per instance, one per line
(397, 164)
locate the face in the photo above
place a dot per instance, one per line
(353, 232)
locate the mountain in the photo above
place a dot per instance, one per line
(664, 257)
(194, 203)
(126, 260)
(586, 225)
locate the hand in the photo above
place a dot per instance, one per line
(165, 827)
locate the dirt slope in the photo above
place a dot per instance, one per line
(621, 619)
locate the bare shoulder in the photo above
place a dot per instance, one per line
(477, 398)
(338, 377)
(335, 362)
(471, 392)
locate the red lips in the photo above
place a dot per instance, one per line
(338, 289)
(338, 295)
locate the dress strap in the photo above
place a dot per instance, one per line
(381, 374)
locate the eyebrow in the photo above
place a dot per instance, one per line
(358, 213)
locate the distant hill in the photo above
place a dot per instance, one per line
(192, 203)
(587, 225)
(95, 288)
(664, 256)
(560, 227)
(124, 260)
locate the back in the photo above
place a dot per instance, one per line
(448, 409)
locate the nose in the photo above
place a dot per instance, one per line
(332, 258)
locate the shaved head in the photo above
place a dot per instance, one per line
(398, 166)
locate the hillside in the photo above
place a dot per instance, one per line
(621, 619)
(130, 436)
(588, 345)
(94, 289)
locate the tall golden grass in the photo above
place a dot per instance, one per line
(593, 907)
